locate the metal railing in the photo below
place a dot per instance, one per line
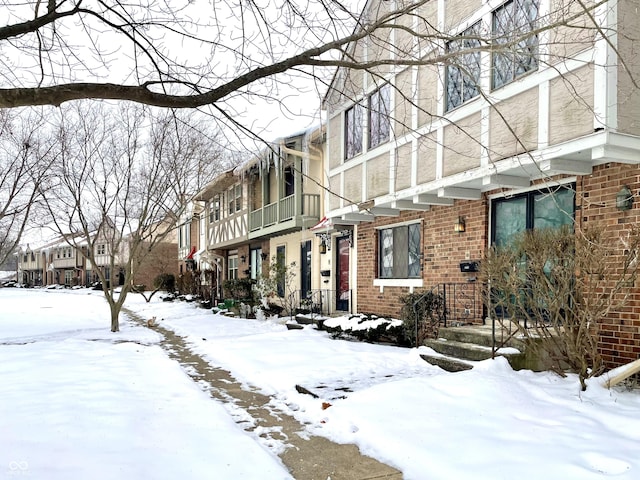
(305, 204)
(451, 304)
(321, 302)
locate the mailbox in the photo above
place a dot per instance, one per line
(469, 266)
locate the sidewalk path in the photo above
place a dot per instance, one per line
(307, 457)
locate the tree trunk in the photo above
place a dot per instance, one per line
(115, 322)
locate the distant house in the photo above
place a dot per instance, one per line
(431, 164)
(64, 261)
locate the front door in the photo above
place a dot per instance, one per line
(343, 290)
(305, 269)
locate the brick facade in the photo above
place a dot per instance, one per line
(442, 251)
(596, 206)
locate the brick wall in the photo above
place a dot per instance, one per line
(596, 206)
(442, 250)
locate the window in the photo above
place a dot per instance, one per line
(514, 20)
(235, 199)
(463, 74)
(289, 181)
(214, 209)
(102, 249)
(255, 262)
(233, 267)
(399, 252)
(549, 209)
(353, 131)
(379, 122)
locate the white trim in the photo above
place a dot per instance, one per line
(515, 192)
(398, 282)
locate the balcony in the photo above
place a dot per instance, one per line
(287, 214)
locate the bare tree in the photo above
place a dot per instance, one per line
(24, 159)
(188, 54)
(122, 178)
(553, 288)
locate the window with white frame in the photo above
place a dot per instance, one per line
(463, 71)
(232, 263)
(515, 47)
(235, 199)
(399, 251)
(379, 120)
(102, 249)
(353, 131)
(214, 209)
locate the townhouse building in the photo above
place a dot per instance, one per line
(261, 213)
(527, 117)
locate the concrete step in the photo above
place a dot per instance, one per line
(460, 350)
(446, 363)
(480, 335)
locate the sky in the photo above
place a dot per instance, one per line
(81, 402)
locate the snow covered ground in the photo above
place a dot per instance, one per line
(80, 402)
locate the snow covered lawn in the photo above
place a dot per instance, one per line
(80, 402)
(486, 423)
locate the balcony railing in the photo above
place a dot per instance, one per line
(287, 208)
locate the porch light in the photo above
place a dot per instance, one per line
(624, 199)
(459, 226)
(323, 246)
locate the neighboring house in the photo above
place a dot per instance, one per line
(64, 261)
(261, 212)
(432, 164)
(30, 266)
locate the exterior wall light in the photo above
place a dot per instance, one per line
(323, 246)
(624, 199)
(459, 226)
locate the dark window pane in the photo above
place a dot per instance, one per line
(379, 122)
(553, 210)
(353, 131)
(386, 253)
(414, 250)
(510, 218)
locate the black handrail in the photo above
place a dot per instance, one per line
(319, 301)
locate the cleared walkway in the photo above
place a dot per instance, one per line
(306, 457)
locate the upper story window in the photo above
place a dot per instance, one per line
(463, 73)
(379, 120)
(214, 209)
(515, 48)
(353, 131)
(399, 252)
(235, 199)
(102, 249)
(289, 181)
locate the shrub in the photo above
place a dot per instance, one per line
(421, 313)
(165, 281)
